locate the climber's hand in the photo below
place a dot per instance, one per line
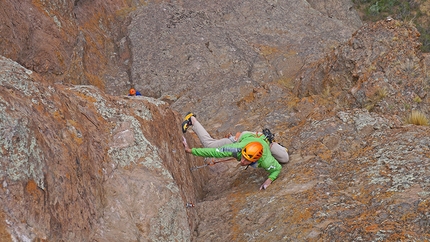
(266, 184)
(184, 142)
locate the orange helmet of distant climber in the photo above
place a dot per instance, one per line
(253, 151)
(132, 91)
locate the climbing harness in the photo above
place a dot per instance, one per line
(210, 162)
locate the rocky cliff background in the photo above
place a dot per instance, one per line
(78, 165)
(81, 161)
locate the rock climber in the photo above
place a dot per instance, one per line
(133, 92)
(250, 149)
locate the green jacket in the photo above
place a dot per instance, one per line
(267, 161)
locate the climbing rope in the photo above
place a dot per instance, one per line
(211, 161)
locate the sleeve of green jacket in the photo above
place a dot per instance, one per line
(220, 152)
(274, 169)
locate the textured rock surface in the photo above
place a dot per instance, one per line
(77, 165)
(87, 166)
(354, 175)
(357, 176)
(71, 41)
(176, 51)
(380, 68)
(209, 56)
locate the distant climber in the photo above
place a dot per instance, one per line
(133, 92)
(250, 149)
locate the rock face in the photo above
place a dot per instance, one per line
(354, 174)
(77, 165)
(207, 57)
(387, 76)
(176, 51)
(357, 176)
(72, 41)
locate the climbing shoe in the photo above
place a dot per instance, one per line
(187, 122)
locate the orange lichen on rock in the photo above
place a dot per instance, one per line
(32, 188)
(4, 234)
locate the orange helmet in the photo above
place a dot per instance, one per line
(132, 91)
(253, 151)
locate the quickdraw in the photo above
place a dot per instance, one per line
(189, 205)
